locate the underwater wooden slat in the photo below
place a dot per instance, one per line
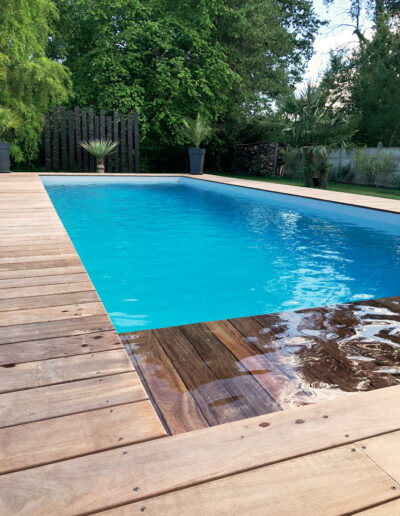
(174, 400)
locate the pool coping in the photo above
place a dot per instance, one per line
(358, 200)
(193, 469)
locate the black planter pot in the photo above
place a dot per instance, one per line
(4, 157)
(196, 157)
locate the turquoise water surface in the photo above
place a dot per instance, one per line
(169, 251)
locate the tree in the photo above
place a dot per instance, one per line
(170, 60)
(366, 83)
(29, 82)
(307, 121)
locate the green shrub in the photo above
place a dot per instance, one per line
(373, 169)
(293, 162)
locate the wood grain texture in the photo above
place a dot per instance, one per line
(46, 301)
(384, 450)
(54, 313)
(77, 486)
(347, 482)
(53, 329)
(14, 377)
(178, 407)
(43, 442)
(44, 349)
(214, 400)
(69, 398)
(386, 509)
(45, 290)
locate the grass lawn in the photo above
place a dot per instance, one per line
(389, 193)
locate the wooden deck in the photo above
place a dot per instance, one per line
(78, 434)
(206, 374)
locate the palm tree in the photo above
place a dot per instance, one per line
(99, 149)
(196, 131)
(308, 122)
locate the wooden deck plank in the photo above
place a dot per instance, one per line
(14, 377)
(48, 301)
(43, 442)
(384, 451)
(45, 290)
(44, 272)
(284, 390)
(59, 400)
(53, 329)
(22, 266)
(386, 509)
(53, 313)
(57, 278)
(178, 407)
(184, 460)
(34, 250)
(213, 399)
(249, 395)
(20, 352)
(347, 482)
(34, 258)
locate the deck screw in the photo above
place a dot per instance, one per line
(353, 450)
(325, 417)
(124, 452)
(363, 447)
(111, 410)
(136, 489)
(143, 508)
(347, 435)
(393, 487)
(120, 438)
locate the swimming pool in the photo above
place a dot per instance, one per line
(165, 251)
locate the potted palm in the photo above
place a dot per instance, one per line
(99, 149)
(196, 132)
(8, 122)
(307, 121)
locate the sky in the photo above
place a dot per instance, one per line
(331, 36)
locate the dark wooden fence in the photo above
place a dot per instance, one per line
(65, 129)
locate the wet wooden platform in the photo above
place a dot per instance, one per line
(78, 434)
(206, 374)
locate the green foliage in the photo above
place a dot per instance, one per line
(373, 169)
(8, 121)
(170, 60)
(293, 162)
(195, 131)
(99, 148)
(366, 82)
(306, 121)
(30, 83)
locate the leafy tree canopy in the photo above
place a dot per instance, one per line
(170, 59)
(29, 82)
(366, 83)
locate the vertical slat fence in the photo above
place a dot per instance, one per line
(56, 159)
(47, 142)
(64, 157)
(85, 138)
(64, 130)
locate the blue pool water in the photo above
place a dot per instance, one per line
(169, 251)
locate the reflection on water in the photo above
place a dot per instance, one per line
(249, 366)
